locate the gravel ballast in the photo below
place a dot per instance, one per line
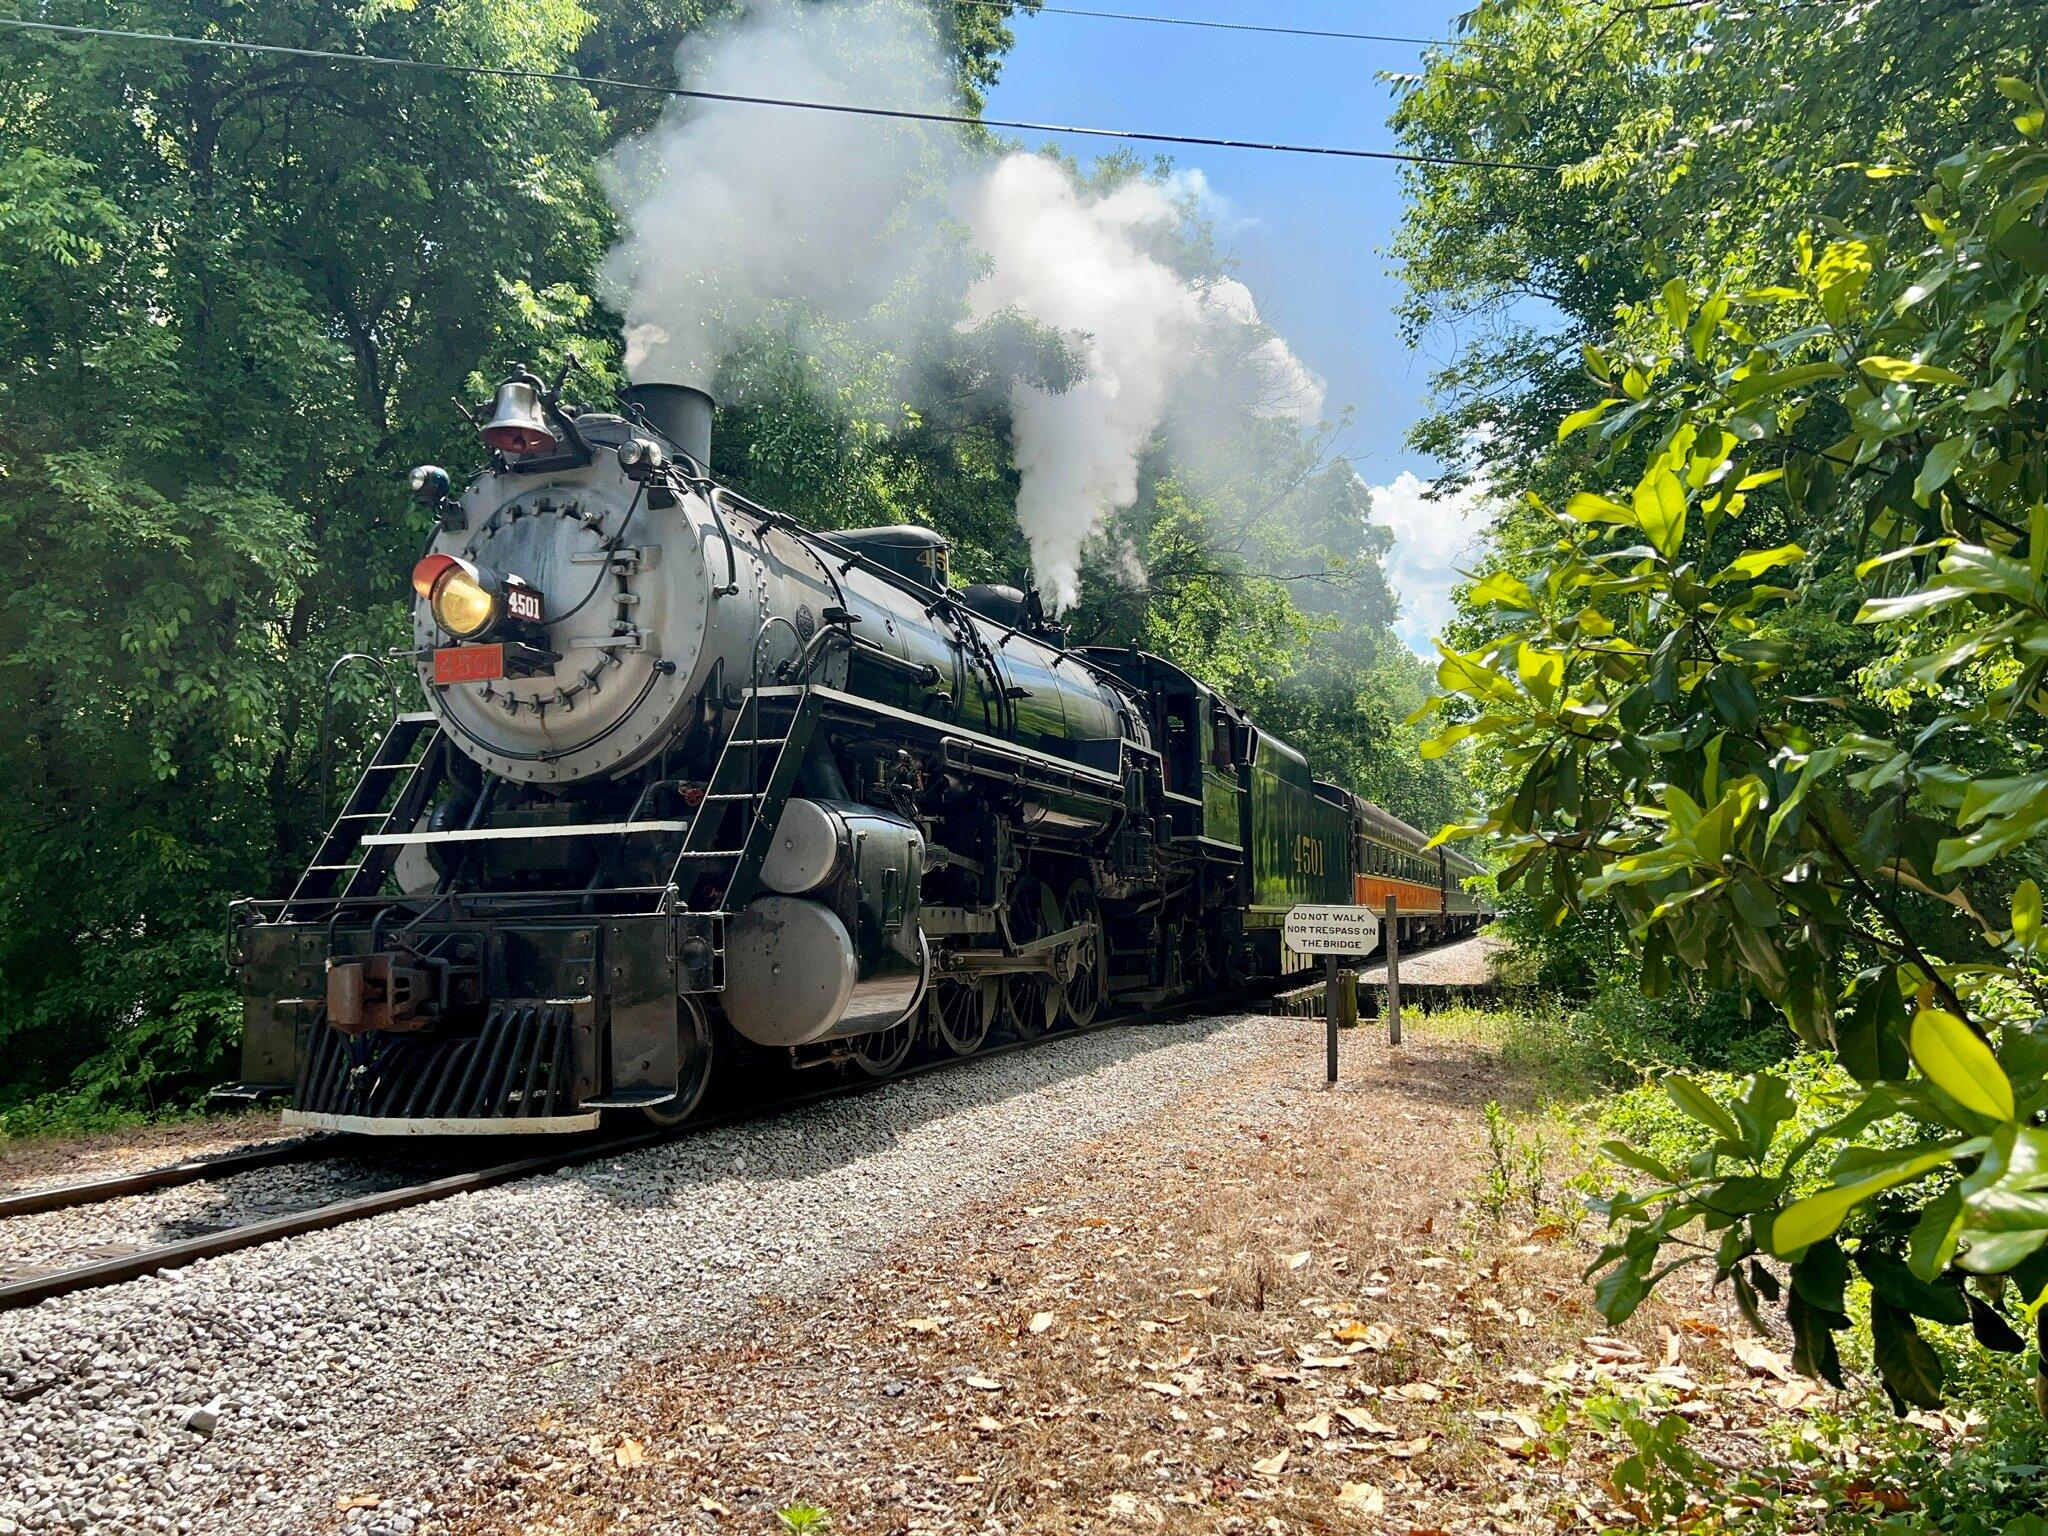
(257, 1392)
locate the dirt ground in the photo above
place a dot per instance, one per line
(1275, 1309)
(43, 1160)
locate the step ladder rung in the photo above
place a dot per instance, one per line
(709, 798)
(393, 767)
(361, 816)
(709, 853)
(321, 869)
(755, 741)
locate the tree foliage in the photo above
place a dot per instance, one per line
(1840, 461)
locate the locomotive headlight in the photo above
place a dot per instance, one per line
(469, 602)
(461, 604)
(463, 598)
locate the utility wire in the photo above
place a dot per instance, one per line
(902, 114)
(1019, 12)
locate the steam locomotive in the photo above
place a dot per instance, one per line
(696, 782)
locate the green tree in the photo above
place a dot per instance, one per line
(1856, 444)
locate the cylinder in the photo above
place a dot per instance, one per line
(678, 412)
(792, 976)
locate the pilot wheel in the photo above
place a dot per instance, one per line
(695, 1059)
(883, 1053)
(963, 1012)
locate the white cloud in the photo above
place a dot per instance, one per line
(1433, 542)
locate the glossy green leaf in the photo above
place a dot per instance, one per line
(1820, 1215)
(1960, 1064)
(1904, 370)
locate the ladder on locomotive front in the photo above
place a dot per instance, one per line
(348, 863)
(719, 865)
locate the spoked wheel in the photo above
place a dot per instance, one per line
(1029, 1001)
(963, 1012)
(695, 1062)
(1081, 997)
(882, 1053)
(1170, 942)
(1201, 958)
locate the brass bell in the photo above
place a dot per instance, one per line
(516, 425)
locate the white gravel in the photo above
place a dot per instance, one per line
(251, 1393)
(51, 1240)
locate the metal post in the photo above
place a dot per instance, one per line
(1330, 1020)
(1393, 973)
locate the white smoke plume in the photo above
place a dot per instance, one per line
(736, 216)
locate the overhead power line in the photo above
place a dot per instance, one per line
(1219, 26)
(900, 114)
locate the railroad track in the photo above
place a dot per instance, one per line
(117, 1270)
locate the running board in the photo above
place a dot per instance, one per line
(631, 1098)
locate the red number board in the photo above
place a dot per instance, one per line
(469, 663)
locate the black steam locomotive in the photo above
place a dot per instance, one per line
(696, 781)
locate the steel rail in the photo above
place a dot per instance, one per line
(64, 1197)
(116, 1271)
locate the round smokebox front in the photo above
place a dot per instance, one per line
(600, 680)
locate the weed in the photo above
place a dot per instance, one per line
(803, 1517)
(1516, 1181)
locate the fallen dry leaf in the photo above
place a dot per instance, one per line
(711, 1506)
(1613, 1351)
(1761, 1358)
(1040, 1321)
(984, 1383)
(922, 1324)
(1365, 1423)
(1272, 1466)
(1163, 1388)
(1319, 1426)
(1298, 1260)
(358, 1501)
(630, 1453)
(1362, 1499)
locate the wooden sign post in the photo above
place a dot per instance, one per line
(1393, 974)
(1333, 933)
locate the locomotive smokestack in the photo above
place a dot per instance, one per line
(678, 412)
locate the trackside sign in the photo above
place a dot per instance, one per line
(1331, 930)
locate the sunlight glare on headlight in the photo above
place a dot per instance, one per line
(461, 605)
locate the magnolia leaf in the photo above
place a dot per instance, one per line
(1908, 1365)
(1960, 1064)
(1939, 467)
(1755, 562)
(1903, 370)
(1702, 1106)
(1805, 1222)
(1660, 509)
(2026, 913)
(1579, 420)
(1590, 508)
(1503, 589)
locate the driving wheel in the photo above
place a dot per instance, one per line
(1081, 997)
(1029, 1002)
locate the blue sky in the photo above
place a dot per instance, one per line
(1309, 233)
